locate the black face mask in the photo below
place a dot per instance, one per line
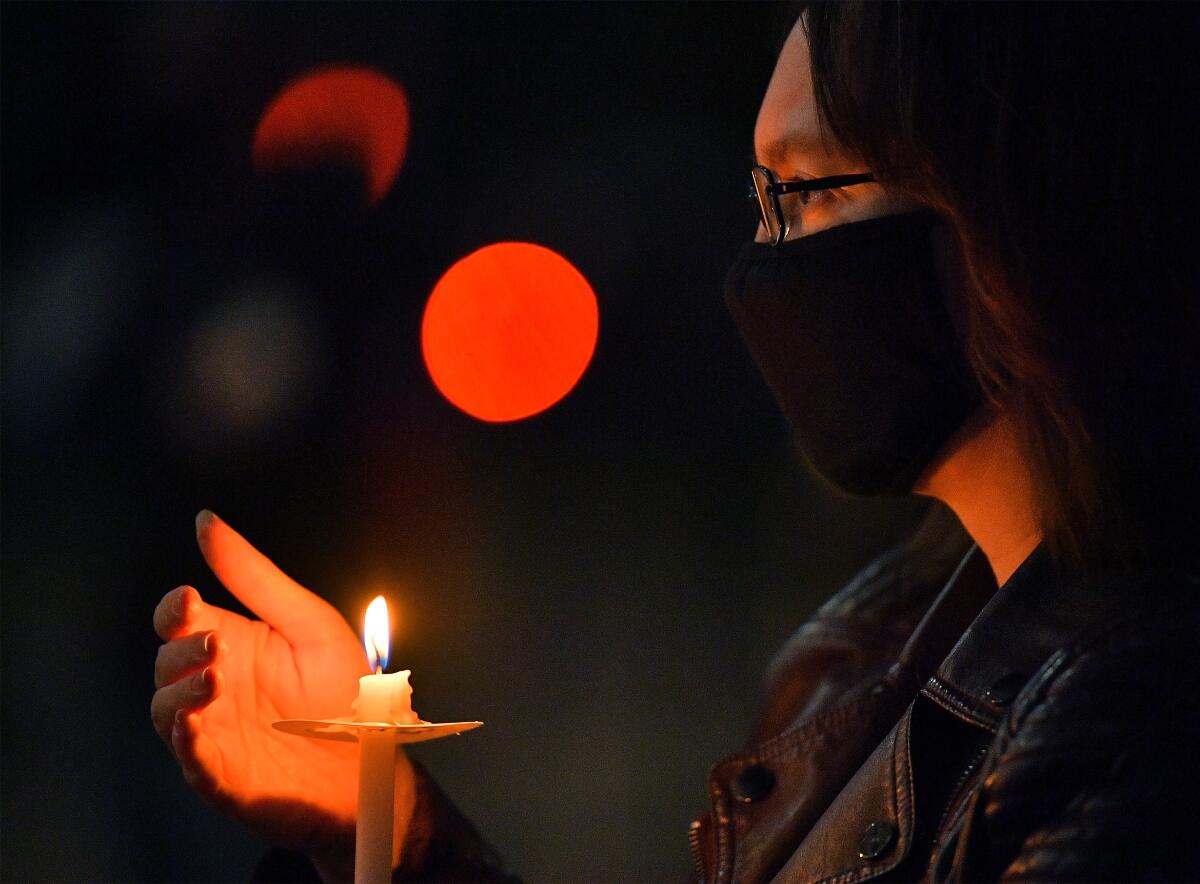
(853, 334)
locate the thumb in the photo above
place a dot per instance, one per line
(299, 615)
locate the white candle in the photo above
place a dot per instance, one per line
(373, 832)
(387, 699)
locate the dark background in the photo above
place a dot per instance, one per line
(603, 583)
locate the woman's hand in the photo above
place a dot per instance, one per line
(221, 680)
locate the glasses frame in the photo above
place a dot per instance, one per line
(766, 189)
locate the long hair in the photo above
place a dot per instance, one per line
(1059, 141)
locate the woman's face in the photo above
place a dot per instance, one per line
(787, 140)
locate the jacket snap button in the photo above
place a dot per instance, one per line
(1005, 690)
(876, 840)
(753, 784)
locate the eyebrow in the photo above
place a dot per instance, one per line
(777, 153)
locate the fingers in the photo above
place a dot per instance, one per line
(178, 612)
(198, 756)
(280, 601)
(169, 613)
(186, 655)
(189, 694)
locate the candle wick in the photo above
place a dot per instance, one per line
(378, 669)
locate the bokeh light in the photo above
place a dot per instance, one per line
(249, 366)
(75, 288)
(509, 330)
(343, 115)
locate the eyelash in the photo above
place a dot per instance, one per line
(818, 196)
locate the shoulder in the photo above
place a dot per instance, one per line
(855, 636)
(1094, 773)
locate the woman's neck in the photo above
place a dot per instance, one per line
(982, 477)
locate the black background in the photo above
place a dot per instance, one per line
(602, 583)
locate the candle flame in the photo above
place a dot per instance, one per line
(377, 634)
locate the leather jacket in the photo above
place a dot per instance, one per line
(924, 725)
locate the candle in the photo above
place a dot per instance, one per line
(385, 699)
(382, 697)
(383, 719)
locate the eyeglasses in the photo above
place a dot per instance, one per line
(781, 217)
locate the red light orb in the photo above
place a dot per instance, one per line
(509, 330)
(336, 115)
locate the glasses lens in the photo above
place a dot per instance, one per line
(768, 208)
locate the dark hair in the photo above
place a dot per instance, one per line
(1059, 141)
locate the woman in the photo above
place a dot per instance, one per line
(989, 300)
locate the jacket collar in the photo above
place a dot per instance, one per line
(1036, 612)
(868, 829)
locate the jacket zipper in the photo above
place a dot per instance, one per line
(955, 794)
(697, 853)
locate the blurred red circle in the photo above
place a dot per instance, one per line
(352, 115)
(509, 330)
